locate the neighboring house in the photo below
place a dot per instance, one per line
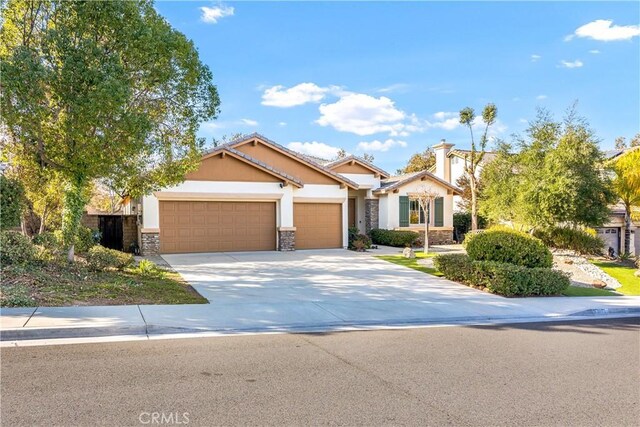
(612, 232)
(254, 194)
(450, 163)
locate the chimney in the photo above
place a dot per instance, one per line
(443, 163)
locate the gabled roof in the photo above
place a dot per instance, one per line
(225, 148)
(297, 156)
(395, 182)
(360, 161)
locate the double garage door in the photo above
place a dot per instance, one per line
(244, 226)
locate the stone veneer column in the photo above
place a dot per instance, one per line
(371, 207)
(287, 239)
(150, 243)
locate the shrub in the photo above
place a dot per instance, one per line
(462, 224)
(514, 280)
(47, 240)
(17, 295)
(393, 237)
(100, 258)
(11, 202)
(16, 248)
(585, 242)
(456, 267)
(508, 246)
(85, 239)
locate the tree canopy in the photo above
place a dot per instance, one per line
(102, 90)
(555, 178)
(419, 162)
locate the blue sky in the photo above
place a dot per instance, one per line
(388, 78)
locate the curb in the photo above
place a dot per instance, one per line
(26, 334)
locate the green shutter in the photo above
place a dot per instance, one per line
(438, 214)
(404, 211)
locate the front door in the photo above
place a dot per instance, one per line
(111, 230)
(352, 213)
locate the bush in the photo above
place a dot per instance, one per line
(85, 239)
(393, 237)
(584, 242)
(16, 248)
(508, 246)
(501, 278)
(462, 224)
(514, 280)
(47, 240)
(100, 258)
(16, 296)
(148, 268)
(456, 267)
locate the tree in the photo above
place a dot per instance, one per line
(425, 197)
(627, 187)
(419, 162)
(368, 157)
(341, 154)
(555, 178)
(635, 141)
(102, 90)
(465, 198)
(474, 158)
(11, 202)
(621, 143)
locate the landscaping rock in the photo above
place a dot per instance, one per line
(599, 284)
(408, 253)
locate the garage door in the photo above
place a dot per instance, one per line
(318, 225)
(217, 226)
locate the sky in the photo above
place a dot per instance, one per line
(388, 79)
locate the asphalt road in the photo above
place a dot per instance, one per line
(584, 373)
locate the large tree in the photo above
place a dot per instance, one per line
(554, 178)
(627, 187)
(102, 90)
(419, 162)
(477, 152)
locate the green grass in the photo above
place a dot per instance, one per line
(576, 291)
(623, 274)
(412, 263)
(59, 284)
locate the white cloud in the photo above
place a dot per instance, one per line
(396, 87)
(314, 148)
(282, 124)
(571, 64)
(541, 97)
(523, 121)
(363, 114)
(376, 145)
(249, 122)
(446, 120)
(303, 93)
(535, 58)
(211, 15)
(604, 30)
(594, 51)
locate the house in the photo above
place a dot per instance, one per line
(254, 194)
(450, 163)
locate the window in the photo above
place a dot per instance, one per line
(416, 214)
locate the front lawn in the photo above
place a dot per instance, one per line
(623, 274)
(61, 284)
(412, 263)
(577, 291)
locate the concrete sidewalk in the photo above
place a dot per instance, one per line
(152, 320)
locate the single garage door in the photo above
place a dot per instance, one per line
(318, 225)
(217, 226)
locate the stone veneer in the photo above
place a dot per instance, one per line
(438, 237)
(286, 240)
(371, 207)
(150, 243)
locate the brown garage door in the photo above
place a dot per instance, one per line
(318, 225)
(217, 226)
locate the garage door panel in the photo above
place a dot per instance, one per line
(217, 226)
(318, 225)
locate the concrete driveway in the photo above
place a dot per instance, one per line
(316, 288)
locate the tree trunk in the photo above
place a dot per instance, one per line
(43, 219)
(474, 204)
(75, 199)
(426, 236)
(627, 229)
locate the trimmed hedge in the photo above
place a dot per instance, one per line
(100, 258)
(507, 246)
(580, 241)
(358, 242)
(397, 238)
(502, 278)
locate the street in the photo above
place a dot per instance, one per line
(580, 373)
